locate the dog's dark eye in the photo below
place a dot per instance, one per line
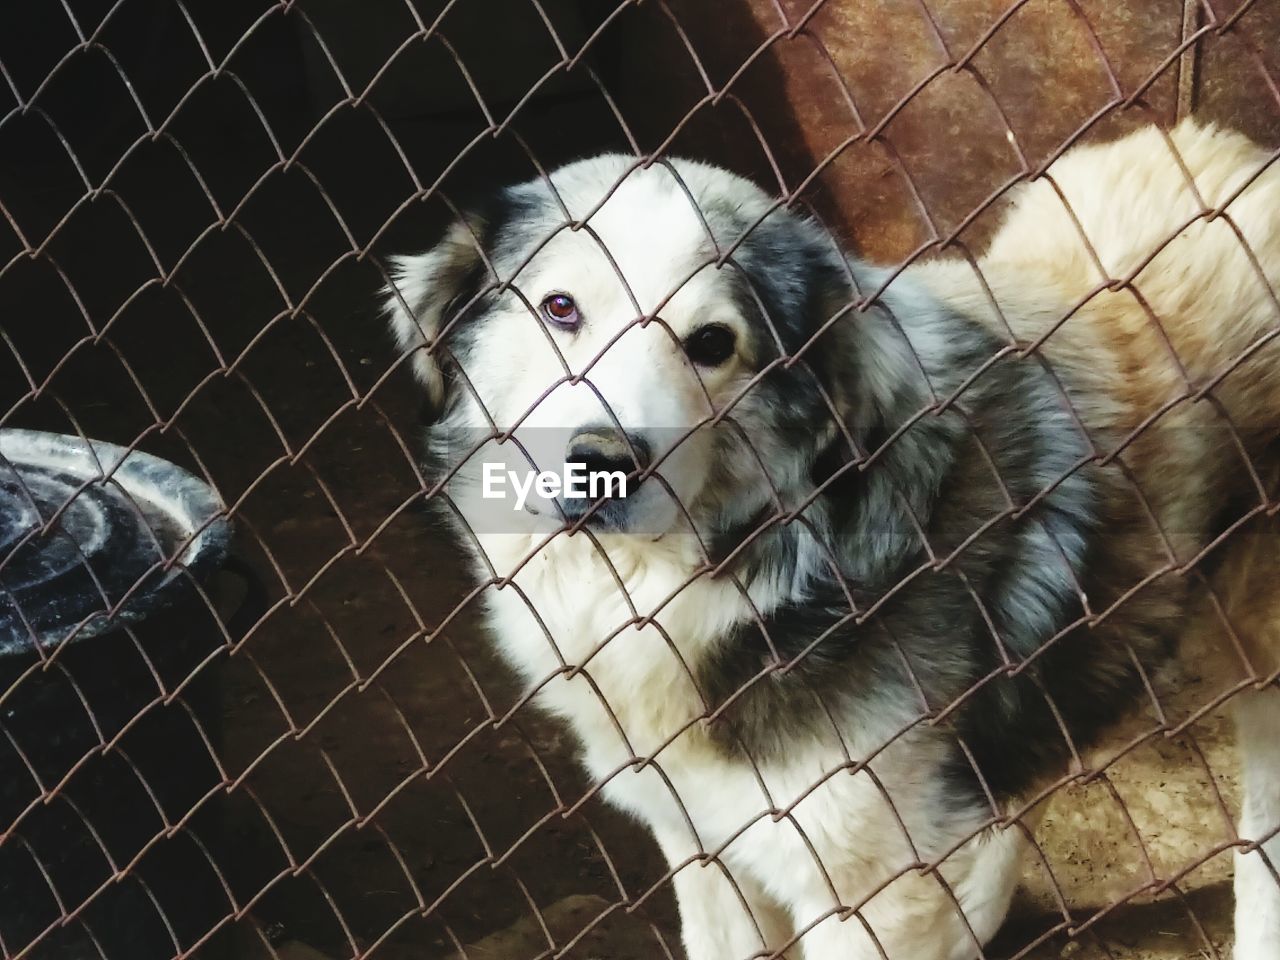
(711, 345)
(560, 309)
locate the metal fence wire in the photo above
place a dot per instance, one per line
(316, 751)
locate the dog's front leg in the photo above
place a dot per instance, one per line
(1257, 890)
(913, 919)
(920, 915)
(724, 915)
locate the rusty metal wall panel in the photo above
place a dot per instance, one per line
(914, 113)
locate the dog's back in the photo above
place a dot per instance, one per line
(1146, 271)
(1193, 219)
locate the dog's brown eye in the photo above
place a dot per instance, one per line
(560, 309)
(711, 345)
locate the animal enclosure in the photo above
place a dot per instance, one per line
(316, 753)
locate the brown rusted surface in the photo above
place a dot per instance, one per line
(915, 113)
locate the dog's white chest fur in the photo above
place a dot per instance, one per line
(785, 823)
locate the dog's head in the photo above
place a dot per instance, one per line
(671, 323)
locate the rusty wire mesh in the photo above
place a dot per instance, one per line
(200, 200)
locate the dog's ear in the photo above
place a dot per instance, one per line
(883, 355)
(424, 294)
(889, 366)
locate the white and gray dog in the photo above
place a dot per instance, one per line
(882, 555)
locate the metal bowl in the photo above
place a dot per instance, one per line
(94, 536)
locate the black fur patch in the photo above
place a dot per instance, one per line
(962, 631)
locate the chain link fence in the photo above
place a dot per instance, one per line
(312, 750)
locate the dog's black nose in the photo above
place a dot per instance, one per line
(607, 450)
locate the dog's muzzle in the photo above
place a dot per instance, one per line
(610, 461)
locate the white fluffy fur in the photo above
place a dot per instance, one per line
(766, 859)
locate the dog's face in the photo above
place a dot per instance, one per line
(655, 322)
